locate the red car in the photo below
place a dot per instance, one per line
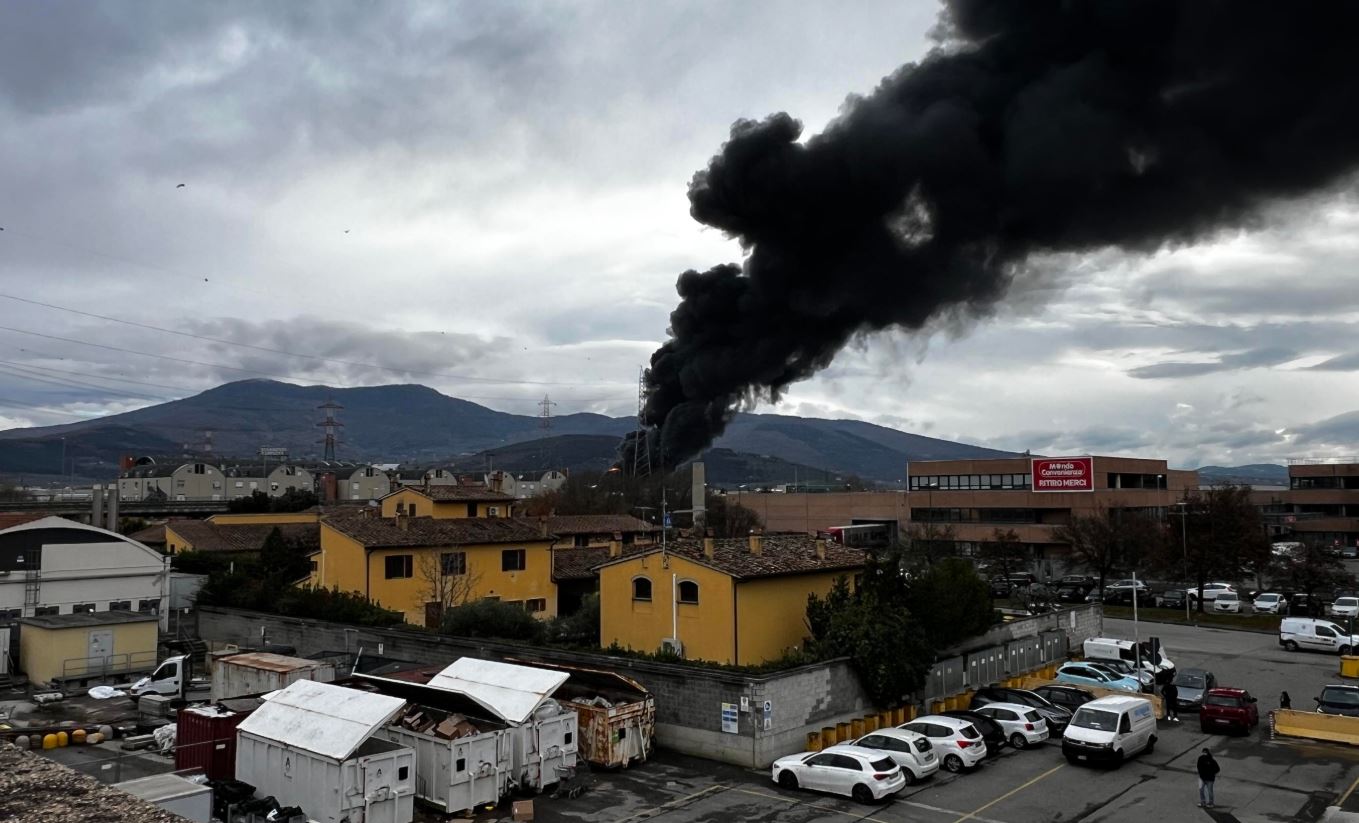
(1229, 709)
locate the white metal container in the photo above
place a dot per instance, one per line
(312, 745)
(173, 793)
(458, 775)
(251, 673)
(545, 746)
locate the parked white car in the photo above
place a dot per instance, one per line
(1023, 726)
(1268, 603)
(956, 742)
(909, 750)
(863, 774)
(1210, 591)
(1344, 607)
(1228, 602)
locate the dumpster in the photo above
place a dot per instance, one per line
(462, 759)
(314, 745)
(261, 672)
(205, 737)
(616, 715)
(544, 731)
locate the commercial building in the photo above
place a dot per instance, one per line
(741, 601)
(1321, 503)
(1034, 497)
(813, 512)
(54, 566)
(419, 565)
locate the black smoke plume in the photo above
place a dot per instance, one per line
(1036, 126)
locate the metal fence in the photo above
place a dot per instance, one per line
(113, 665)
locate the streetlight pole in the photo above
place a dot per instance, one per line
(1183, 514)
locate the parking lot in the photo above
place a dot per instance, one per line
(1261, 780)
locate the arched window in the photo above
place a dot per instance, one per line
(641, 588)
(688, 591)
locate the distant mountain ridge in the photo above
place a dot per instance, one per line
(416, 424)
(1254, 474)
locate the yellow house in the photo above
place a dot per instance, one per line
(69, 646)
(312, 515)
(211, 536)
(421, 565)
(447, 502)
(728, 601)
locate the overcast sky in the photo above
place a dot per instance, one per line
(490, 199)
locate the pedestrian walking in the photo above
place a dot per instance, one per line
(1208, 770)
(1284, 701)
(1170, 695)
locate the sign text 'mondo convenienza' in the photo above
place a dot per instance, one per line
(1063, 474)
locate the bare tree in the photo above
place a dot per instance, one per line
(927, 543)
(1111, 540)
(1004, 554)
(448, 582)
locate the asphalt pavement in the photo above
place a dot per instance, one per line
(1262, 779)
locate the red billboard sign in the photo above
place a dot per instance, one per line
(1063, 474)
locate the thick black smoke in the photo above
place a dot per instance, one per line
(1040, 126)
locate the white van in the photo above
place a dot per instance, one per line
(1110, 729)
(1319, 635)
(1110, 648)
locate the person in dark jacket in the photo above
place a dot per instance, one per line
(1285, 702)
(1208, 770)
(1170, 695)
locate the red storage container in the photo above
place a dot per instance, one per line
(206, 739)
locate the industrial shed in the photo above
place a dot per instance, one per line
(74, 647)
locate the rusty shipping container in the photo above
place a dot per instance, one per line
(205, 737)
(616, 715)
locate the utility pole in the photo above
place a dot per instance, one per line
(1183, 514)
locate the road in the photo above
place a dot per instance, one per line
(1261, 780)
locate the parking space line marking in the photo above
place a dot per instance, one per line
(927, 807)
(972, 815)
(1348, 792)
(670, 805)
(795, 801)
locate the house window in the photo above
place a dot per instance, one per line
(46, 611)
(453, 563)
(11, 614)
(513, 560)
(518, 604)
(254, 484)
(471, 509)
(399, 566)
(688, 591)
(199, 468)
(151, 606)
(82, 608)
(641, 588)
(313, 567)
(240, 484)
(535, 605)
(120, 605)
(217, 484)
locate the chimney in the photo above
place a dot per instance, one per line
(820, 549)
(615, 548)
(709, 546)
(403, 521)
(542, 526)
(757, 541)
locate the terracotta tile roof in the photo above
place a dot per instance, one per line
(217, 537)
(9, 521)
(577, 564)
(429, 531)
(456, 494)
(151, 535)
(597, 524)
(782, 554)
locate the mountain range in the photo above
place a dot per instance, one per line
(416, 424)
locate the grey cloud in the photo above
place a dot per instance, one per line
(1340, 431)
(1342, 362)
(1249, 359)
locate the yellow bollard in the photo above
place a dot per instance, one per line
(828, 737)
(911, 714)
(78, 737)
(1349, 666)
(842, 733)
(885, 720)
(62, 740)
(49, 741)
(937, 706)
(813, 741)
(856, 727)
(870, 723)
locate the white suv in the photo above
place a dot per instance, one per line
(1022, 725)
(956, 742)
(1268, 603)
(909, 750)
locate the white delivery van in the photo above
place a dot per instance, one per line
(1111, 648)
(1110, 730)
(1319, 635)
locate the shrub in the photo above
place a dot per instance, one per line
(492, 619)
